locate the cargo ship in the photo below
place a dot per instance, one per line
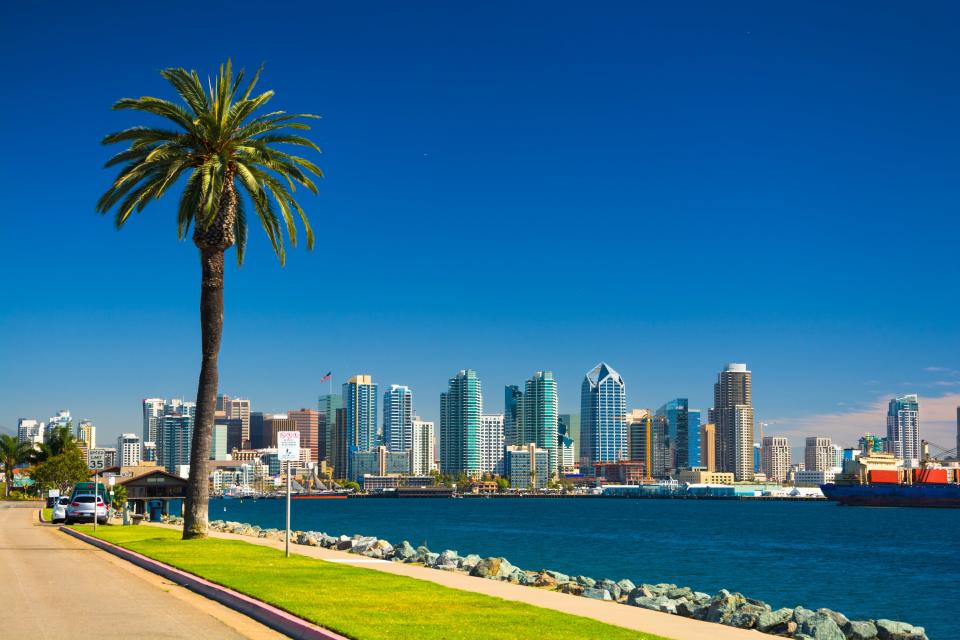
(878, 481)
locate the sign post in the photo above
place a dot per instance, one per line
(288, 450)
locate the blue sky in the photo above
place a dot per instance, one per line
(509, 188)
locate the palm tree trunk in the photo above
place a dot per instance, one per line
(211, 328)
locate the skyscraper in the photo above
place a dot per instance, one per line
(87, 434)
(422, 450)
(732, 413)
(360, 403)
(491, 443)
(775, 458)
(603, 407)
(398, 418)
(708, 446)
(239, 408)
(540, 416)
(566, 452)
(259, 439)
(128, 450)
(339, 451)
(175, 440)
(29, 431)
(512, 414)
(645, 430)
(307, 422)
(903, 428)
(153, 410)
(328, 405)
(62, 419)
(460, 409)
(818, 454)
(683, 434)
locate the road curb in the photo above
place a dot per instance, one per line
(40, 516)
(273, 617)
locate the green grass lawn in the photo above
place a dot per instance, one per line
(359, 603)
(47, 514)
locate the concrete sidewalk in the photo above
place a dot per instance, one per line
(663, 624)
(58, 587)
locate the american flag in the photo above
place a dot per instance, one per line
(326, 377)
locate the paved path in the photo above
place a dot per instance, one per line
(55, 586)
(663, 624)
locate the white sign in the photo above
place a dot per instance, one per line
(53, 493)
(288, 446)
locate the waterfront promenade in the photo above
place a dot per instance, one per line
(662, 624)
(58, 587)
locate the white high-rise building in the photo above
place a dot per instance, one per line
(491, 444)
(775, 458)
(818, 454)
(732, 416)
(62, 419)
(128, 450)
(153, 409)
(29, 431)
(837, 456)
(398, 418)
(903, 429)
(422, 452)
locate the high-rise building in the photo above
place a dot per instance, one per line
(775, 458)
(837, 456)
(87, 433)
(128, 450)
(528, 466)
(645, 430)
(818, 454)
(339, 444)
(683, 434)
(29, 431)
(239, 408)
(566, 453)
(756, 457)
(708, 446)
(491, 443)
(512, 414)
(603, 407)
(62, 419)
(328, 405)
(175, 431)
(903, 429)
(422, 453)
(460, 409)
(259, 437)
(540, 415)
(307, 422)
(218, 442)
(870, 443)
(273, 423)
(223, 403)
(957, 454)
(360, 402)
(153, 409)
(732, 414)
(572, 422)
(398, 418)
(150, 452)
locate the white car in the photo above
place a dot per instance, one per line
(60, 509)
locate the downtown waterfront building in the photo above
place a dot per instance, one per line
(398, 418)
(708, 446)
(775, 458)
(903, 429)
(422, 452)
(153, 410)
(603, 408)
(328, 405)
(491, 444)
(87, 434)
(175, 431)
(129, 452)
(360, 412)
(307, 423)
(512, 414)
(732, 414)
(818, 454)
(239, 409)
(460, 409)
(528, 466)
(683, 434)
(29, 430)
(540, 415)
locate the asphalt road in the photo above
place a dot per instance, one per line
(55, 586)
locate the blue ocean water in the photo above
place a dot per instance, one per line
(864, 562)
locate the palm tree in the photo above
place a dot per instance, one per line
(223, 148)
(12, 453)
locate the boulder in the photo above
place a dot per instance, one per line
(679, 592)
(836, 616)
(572, 588)
(626, 587)
(820, 626)
(774, 621)
(644, 602)
(561, 578)
(688, 609)
(544, 579)
(431, 559)
(586, 581)
(404, 552)
(449, 557)
(859, 630)
(422, 552)
(487, 568)
(467, 563)
(344, 544)
(895, 630)
(610, 586)
(639, 592)
(723, 606)
(747, 616)
(596, 594)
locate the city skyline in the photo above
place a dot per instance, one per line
(804, 143)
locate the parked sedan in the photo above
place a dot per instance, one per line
(81, 509)
(60, 509)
